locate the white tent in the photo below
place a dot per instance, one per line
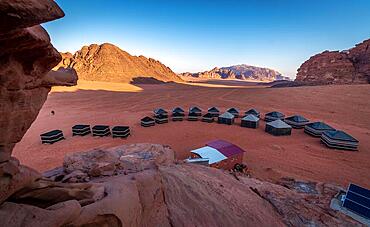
(209, 153)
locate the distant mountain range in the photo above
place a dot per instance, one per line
(241, 72)
(107, 62)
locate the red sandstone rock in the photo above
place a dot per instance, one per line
(243, 72)
(334, 67)
(107, 62)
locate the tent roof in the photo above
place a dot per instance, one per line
(275, 114)
(252, 111)
(226, 148)
(195, 109)
(297, 118)
(209, 153)
(339, 135)
(227, 115)
(147, 119)
(213, 109)
(250, 117)
(233, 110)
(178, 114)
(320, 126)
(160, 111)
(178, 109)
(278, 124)
(207, 115)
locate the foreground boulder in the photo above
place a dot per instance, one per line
(334, 67)
(145, 186)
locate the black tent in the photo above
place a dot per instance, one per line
(278, 128)
(272, 116)
(226, 118)
(296, 121)
(254, 112)
(317, 128)
(81, 130)
(195, 110)
(160, 111)
(250, 121)
(101, 130)
(214, 111)
(177, 116)
(339, 140)
(120, 131)
(52, 136)
(161, 119)
(178, 110)
(207, 118)
(193, 116)
(147, 122)
(233, 111)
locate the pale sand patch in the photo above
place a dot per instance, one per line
(96, 85)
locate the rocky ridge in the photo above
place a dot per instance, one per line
(338, 67)
(107, 62)
(143, 185)
(242, 72)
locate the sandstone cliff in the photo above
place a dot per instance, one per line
(109, 63)
(334, 67)
(242, 72)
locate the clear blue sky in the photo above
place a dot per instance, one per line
(197, 35)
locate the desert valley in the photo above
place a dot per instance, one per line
(144, 179)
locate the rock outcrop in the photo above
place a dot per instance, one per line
(109, 63)
(26, 57)
(242, 72)
(334, 67)
(143, 185)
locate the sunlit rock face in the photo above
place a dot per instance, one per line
(26, 57)
(334, 67)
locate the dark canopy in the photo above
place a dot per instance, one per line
(195, 109)
(297, 118)
(339, 135)
(275, 114)
(147, 119)
(213, 110)
(320, 126)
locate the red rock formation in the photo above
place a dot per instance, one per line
(334, 67)
(242, 72)
(26, 57)
(107, 62)
(145, 187)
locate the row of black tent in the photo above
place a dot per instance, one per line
(83, 130)
(212, 111)
(276, 124)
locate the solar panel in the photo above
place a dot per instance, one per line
(359, 190)
(358, 200)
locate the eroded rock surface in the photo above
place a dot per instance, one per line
(26, 57)
(149, 188)
(334, 67)
(242, 72)
(107, 62)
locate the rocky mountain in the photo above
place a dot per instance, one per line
(107, 62)
(338, 67)
(242, 72)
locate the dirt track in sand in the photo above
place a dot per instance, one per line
(301, 156)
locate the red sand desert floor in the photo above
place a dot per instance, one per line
(301, 156)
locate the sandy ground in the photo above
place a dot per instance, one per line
(268, 157)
